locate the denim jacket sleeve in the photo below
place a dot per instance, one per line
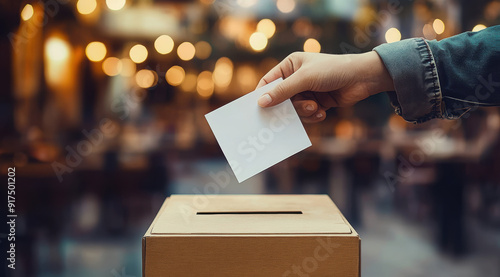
(444, 79)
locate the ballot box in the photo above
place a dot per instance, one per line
(250, 235)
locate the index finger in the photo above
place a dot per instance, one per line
(282, 70)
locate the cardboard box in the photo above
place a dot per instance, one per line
(250, 235)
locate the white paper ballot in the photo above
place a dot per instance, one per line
(254, 138)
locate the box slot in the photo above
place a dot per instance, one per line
(248, 212)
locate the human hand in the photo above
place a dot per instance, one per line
(316, 82)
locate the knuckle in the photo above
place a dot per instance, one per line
(295, 57)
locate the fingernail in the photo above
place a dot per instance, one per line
(320, 115)
(264, 100)
(310, 108)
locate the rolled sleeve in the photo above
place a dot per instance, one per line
(417, 97)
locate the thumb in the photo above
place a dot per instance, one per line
(292, 85)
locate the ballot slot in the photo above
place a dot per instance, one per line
(248, 212)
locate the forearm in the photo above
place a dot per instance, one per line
(417, 97)
(444, 79)
(469, 70)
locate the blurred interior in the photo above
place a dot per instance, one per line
(102, 114)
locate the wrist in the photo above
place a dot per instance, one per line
(374, 73)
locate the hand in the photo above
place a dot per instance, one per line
(316, 82)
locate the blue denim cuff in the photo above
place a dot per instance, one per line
(412, 67)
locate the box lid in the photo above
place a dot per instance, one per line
(250, 214)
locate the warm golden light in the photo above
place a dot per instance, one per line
(164, 44)
(175, 75)
(86, 6)
(207, 2)
(112, 66)
(58, 63)
(392, 35)
(232, 27)
(428, 31)
(223, 72)
(479, 27)
(344, 129)
(267, 27)
(205, 84)
(438, 26)
(186, 51)
(128, 67)
(246, 77)
(138, 53)
(302, 27)
(203, 50)
(115, 5)
(189, 83)
(95, 51)
(27, 12)
(285, 6)
(246, 3)
(258, 41)
(312, 45)
(57, 49)
(146, 78)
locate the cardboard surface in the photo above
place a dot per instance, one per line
(251, 214)
(210, 247)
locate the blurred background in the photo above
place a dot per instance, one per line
(102, 115)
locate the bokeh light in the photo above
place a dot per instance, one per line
(96, 51)
(146, 78)
(428, 31)
(392, 35)
(57, 49)
(302, 27)
(312, 45)
(186, 51)
(207, 2)
(27, 12)
(203, 50)
(164, 44)
(258, 41)
(479, 27)
(232, 27)
(205, 84)
(285, 6)
(175, 75)
(115, 5)
(112, 66)
(128, 67)
(267, 27)
(57, 58)
(246, 77)
(247, 3)
(438, 26)
(138, 53)
(86, 6)
(223, 72)
(344, 129)
(189, 83)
